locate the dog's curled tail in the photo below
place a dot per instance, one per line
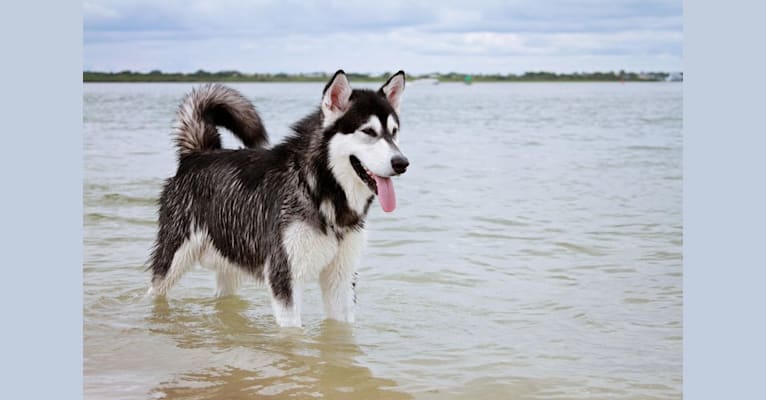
(214, 105)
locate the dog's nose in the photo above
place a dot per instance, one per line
(399, 164)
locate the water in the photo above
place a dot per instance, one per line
(535, 254)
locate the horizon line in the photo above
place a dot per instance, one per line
(316, 73)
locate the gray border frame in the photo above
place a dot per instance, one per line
(41, 167)
(724, 199)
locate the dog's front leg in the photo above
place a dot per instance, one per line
(288, 311)
(338, 279)
(286, 292)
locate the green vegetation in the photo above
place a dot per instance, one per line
(236, 76)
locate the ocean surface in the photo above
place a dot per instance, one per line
(535, 254)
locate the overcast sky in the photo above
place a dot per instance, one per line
(373, 37)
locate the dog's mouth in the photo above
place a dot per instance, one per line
(381, 186)
(364, 174)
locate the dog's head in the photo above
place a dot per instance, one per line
(363, 130)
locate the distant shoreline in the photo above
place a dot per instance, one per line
(235, 76)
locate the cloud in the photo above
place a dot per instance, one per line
(292, 36)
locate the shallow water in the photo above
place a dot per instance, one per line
(535, 254)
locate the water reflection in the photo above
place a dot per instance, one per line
(251, 358)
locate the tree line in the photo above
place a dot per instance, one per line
(236, 76)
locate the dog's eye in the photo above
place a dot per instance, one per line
(393, 131)
(370, 132)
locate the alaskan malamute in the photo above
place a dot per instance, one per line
(282, 215)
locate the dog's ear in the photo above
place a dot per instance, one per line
(336, 95)
(392, 90)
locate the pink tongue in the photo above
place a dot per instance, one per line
(386, 193)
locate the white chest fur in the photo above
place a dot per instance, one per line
(309, 250)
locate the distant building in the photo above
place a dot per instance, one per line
(645, 77)
(675, 77)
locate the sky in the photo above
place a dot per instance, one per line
(477, 36)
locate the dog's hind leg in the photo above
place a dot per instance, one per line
(285, 291)
(338, 280)
(184, 257)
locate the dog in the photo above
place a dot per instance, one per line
(285, 215)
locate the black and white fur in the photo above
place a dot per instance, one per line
(281, 216)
